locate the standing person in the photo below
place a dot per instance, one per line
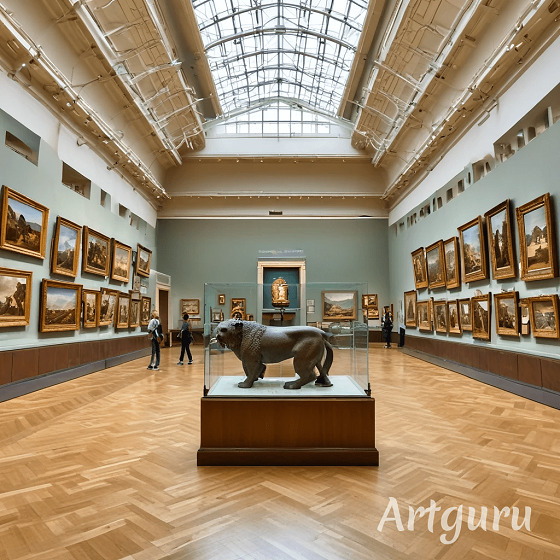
(155, 333)
(186, 338)
(387, 328)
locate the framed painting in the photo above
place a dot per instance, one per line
(507, 313)
(525, 316)
(435, 261)
(473, 251)
(120, 263)
(61, 303)
(123, 308)
(465, 313)
(107, 307)
(451, 258)
(500, 241)
(65, 253)
(453, 322)
(143, 261)
(537, 239)
(134, 313)
(481, 314)
(440, 316)
(95, 252)
(410, 308)
(24, 224)
(424, 316)
(369, 300)
(221, 299)
(544, 316)
(419, 268)
(90, 313)
(190, 306)
(339, 306)
(145, 310)
(372, 313)
(15, 297)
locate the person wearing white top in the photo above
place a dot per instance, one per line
(154, 332)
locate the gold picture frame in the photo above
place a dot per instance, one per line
(190, 306)
(419, 268)
(500, 241)
(481, 316)
(61, 304)
(143, 261)
(221, 299)
(145, 310)
(410, 308)
(507, 313)
(440, 316)
(339, 305)
(65, 254)
(121, 261)
(95, 252)
(15, 297)
(544, 316)
(423, 314)
(134, 313)
(435, 263)
(24, 224)
(107, 307)
(453, 321)
(465, 313)
(451, 260)
(123, 310)
(90, 309)
(474, 264)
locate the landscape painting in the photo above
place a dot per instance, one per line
(473, 251)
(122, 257)
(60, 306)
(500, 241)
(544, 316)
(435, 263)
(507, 313)
(451, 253)
(66, 248)
(339, 306)
(15, 297)
(95, 253)
(419, 268)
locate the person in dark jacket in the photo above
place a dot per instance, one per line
(387, 328)
(186, 338)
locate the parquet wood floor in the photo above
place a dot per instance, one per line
(104, 468)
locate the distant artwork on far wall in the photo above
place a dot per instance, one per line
(120, 264)
(145, 310)
(15, 297)
(61, 304)
(500, 241)
(190, 306)
(481, 315)
(544, 316)
(435, 261)
(410, 308)
(473, 251)
(143, 261)
(339, 306)
(465, 313)
(452, 259)
(66, 248)
(95, 252)
(23, 224)
(507, 313)
(419, 268)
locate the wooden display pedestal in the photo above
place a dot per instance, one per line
(287, 431)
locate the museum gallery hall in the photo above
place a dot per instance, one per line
(279, 280)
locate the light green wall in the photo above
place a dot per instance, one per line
(531, 172)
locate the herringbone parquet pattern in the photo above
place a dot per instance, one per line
(104, 468)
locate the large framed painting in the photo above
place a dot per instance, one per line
(453, 322)
(143, 261)
(145, 310)
(500, 241)
(419, 268)
(465, 313)
(424, 316)
(451, 253)
(544, 316)
(65, 254)
(134, 313)
(339, 306)
(410, 308)
(481, 315)
(107, 307)
(95, 252)
(61, 304)
(15, 297)
(440, 316)
(537, 239)
(123, 308)
(473, 251)
(90, 313)
(24, 224)
(507, 313)
(435, 261)
(190, 306)
(120, 263)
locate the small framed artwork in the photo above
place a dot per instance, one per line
(190, 306)
(544, 316)
(451, 252)
(134, 313)
(537, 239)
(143, 261)
(15, 297)
(339, 306)
(90, 313)
(465, 313)
(440, 316)
(145, 310)
(24, 224)
(481, 314)
(473, 251)
(95, 252)
(424, 316)
(435, 261)
(453, 322)
(221, 299)
(123, 308)
(410, 308)
(107, 307)
(120, 263)
(525, 321)
(237, 308)
(507, 313)
(500, 241)
(216, 316)
(369, 300)
(61, 303)
(65, 254)
(419, 268)
(372, 313)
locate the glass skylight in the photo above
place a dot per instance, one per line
(279, 51)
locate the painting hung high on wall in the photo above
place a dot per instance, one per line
(481, 313)
(60, 306)
(435, 261)
(453, 322)
(473, 251)
(90, 313)
(15, 297)
(440, 316)
(143, 261)
(507, 313)
(500, 241)
(451, 253)
(120, 264)
(465, 313)
(107, 307)
(123, 307)
(145, 310)
(544, 316)
(339, 306)
(419, 268)
(24, 224)
(95, 252)
(537, 239)
(424, 316)
(410, 308)
(66, 248)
